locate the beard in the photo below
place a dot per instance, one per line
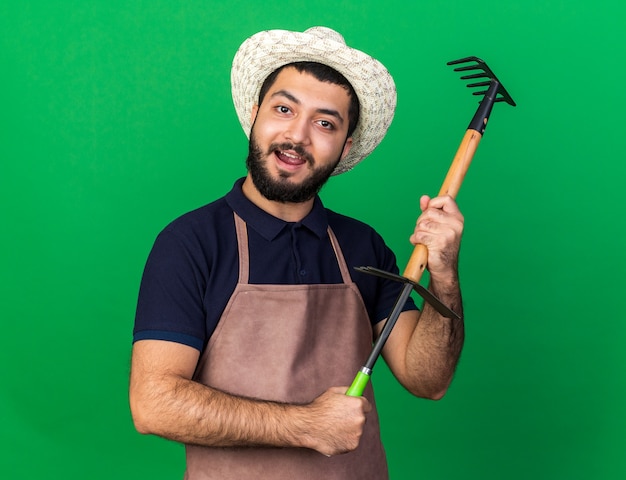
(282, 189)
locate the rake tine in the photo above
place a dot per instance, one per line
(468, 67)
(479, 84)
(475, 75)
(464, 60)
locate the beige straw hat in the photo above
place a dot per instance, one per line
(266, 51)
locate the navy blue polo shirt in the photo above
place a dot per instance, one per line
(193, 267)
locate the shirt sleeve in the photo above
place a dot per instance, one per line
(170, 304)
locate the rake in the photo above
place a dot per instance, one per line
(494, 92)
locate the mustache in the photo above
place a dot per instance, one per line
(299, 149)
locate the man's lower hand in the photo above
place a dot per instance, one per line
(336, 421)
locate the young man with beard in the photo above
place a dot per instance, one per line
(251, 322)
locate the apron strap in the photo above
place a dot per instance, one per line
(343, 266)
(242, 242)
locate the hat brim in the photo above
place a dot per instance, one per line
(266, 51)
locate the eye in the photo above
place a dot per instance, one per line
(283, 109)
(326, 124)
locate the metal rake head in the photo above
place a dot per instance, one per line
(485, 72)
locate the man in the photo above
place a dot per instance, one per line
(249, 323)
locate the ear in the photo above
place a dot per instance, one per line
(255, 110)
(346, 147)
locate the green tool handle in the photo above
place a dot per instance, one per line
(359, 383)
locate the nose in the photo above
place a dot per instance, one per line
(298, 131)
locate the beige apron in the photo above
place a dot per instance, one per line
(288, 343)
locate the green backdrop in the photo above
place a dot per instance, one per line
(116, 117)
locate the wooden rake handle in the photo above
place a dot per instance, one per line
(451, 186)
(474, 133)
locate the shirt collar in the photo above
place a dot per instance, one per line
(269, 226)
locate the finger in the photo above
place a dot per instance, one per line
(445, 203)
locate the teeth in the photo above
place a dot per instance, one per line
(290, 155)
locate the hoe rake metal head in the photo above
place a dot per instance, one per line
(483, 72)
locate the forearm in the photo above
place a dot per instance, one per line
(436, 343)
(165, 401)
(189, 412)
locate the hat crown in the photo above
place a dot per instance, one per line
(326, 33)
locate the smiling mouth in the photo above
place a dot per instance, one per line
(290, 158)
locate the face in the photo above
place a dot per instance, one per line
(298, 136)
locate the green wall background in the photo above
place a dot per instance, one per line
(116, 117)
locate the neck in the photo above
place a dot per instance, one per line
(289, 212)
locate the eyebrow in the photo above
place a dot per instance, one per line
(325, 111)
